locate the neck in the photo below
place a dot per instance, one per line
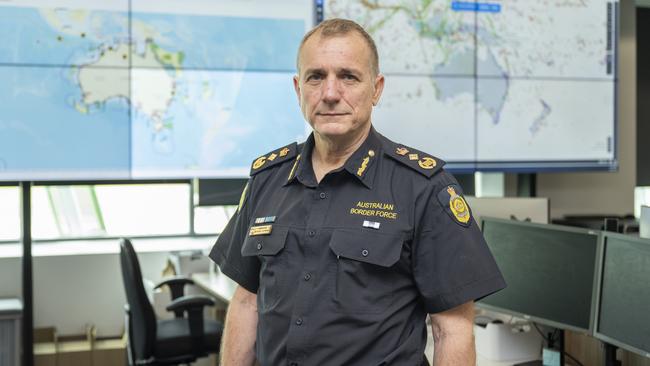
(331, 153)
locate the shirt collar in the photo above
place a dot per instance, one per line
(361, 164)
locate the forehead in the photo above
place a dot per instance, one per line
(340, 51)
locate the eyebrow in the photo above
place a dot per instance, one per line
(344, 70)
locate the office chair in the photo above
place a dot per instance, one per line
(180, 340)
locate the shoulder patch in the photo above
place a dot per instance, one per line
(452, 200)
(423, 163)
(273, 158)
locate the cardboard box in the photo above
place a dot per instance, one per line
(82, 350)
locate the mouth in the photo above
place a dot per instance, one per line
(331, 114)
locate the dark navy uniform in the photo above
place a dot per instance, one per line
(346, 270)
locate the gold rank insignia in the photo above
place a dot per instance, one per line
(272, 156)
(259, 162)
(364, 165)
(413, 157)
(242, 198)
(260, 230)
(401, 151)
(284, 152)
(427, 163)
(458, 206)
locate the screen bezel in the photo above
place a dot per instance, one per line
(596, 333)
(595, 281)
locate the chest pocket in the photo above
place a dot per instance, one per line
(269, 249)
(366, 277)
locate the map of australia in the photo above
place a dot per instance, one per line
(98, 90)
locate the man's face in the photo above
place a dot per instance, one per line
(336, 86)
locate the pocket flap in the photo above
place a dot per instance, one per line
(270, 244)
(367, 246)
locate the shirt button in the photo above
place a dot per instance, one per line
(311, 233)
(364, 252)
(322, 195)
(299, 321)
(259, 246)
(307, 277)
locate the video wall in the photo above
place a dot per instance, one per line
(136, 89)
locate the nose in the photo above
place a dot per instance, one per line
(331, 92)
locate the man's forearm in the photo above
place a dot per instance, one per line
(237, 347)
(454, 351)
(453, 336)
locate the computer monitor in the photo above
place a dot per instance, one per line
(550, 271)
(623, 318)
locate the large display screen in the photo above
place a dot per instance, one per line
(550, 271)
(146, 89)
(496, 85)
(624, 294)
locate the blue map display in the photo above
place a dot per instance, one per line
(112, 94)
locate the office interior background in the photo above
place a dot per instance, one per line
(77, 215)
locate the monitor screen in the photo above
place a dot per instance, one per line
(623, 318)
(550, 271)
(539, 77)
(136, 89)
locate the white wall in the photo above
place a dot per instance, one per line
(605, 193)
(71, 291)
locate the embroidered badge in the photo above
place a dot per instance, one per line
(273, 156)
(413, 156)
(455, 205)
(284, 152)
(458, 206)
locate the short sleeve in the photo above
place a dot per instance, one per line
(452, 263)
(226, 252)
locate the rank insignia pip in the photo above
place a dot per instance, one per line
(413, 157)
(401, 151)
(284, 152)
(455, 205)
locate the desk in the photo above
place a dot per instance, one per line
(216, 284)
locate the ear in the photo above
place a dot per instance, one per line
(296, 86)
(379, 88)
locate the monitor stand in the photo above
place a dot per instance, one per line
(610, 355)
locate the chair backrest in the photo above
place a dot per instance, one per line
(142, 317)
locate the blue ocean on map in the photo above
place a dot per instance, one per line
(40, 129)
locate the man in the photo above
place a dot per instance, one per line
(342, 245)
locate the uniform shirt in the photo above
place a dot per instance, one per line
(347, 269)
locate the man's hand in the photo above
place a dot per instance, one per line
(453, 336)
(237, 346)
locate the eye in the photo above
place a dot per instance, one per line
(349, 77)
(314, 77)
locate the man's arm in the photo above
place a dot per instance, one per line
(453, 336)
(237, 346)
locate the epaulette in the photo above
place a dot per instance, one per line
(275, 157)
(419, 161)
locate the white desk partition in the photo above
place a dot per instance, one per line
(535, 209)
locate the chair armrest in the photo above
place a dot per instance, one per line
(176, 285)
(193, 305)
(190, 302)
